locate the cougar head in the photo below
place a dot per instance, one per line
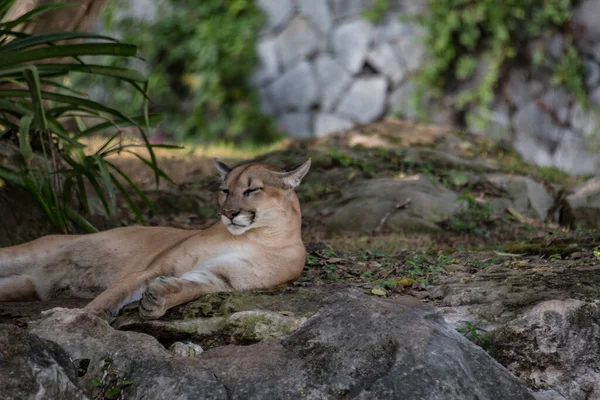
(258, 195)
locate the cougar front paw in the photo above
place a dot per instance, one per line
(152, 304)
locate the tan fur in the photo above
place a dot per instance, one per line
(165, 267)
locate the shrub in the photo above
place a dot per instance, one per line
(35, 103)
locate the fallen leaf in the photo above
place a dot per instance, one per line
(404, 281)
(378, 291)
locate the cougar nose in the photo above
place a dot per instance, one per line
(231, 214)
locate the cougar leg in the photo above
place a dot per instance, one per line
(127, 290)
(167, 292)
(18, 288)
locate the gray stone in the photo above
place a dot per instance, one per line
(401, 102)
(297, 125)
(329, 123)
(391, 30)
(278, 12)
(533, 150)
(521, 90)
(350, 42)
(548, 395)
(365, 101)
(297, 41)
(318, 13)
(349, 8)
(35, 368)
(558, 100)
(188, 349)
(585, 120)
(532, 120)
(595, 96)
(266, 103)
(559, 340)
(268, 67)
(429, 205)
(494, 123)
(591, 72)
(584, 204)
(411, 49)
(333, 81)
(329, 355)
(527, 196)
(555, 45)
(383, 58)
(586, 15)
(296, 89)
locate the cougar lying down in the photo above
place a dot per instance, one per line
(257, 244)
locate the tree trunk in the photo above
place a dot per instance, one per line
(78, 18)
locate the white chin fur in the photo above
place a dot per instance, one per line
(235, 229)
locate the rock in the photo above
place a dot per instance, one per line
(558, 100)
(555, 46)
(328, 357)
(528, 197)
(35, 368)
(350, 42)
(584, 204)
(268, 67)
(591, 73)
(180, 349)
(548, 395)
(531, 120)
(392, 30)
(386, 200)
(330, 123)
(555, 345)
(533, 150)
(574, 155)
(278, 12)
(401, 102)
(520, 90)
(447, 161)
(494, 123)
(384, 60)
(349, 8)
(297, 41)
(365, 101)
(333, 81)
(296, 124)
(241, 328)
(296, 89)
(585, 17)
(318, 13)
(585, 121)
(266, 103)
(411, 49)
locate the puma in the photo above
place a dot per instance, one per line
(256, 244)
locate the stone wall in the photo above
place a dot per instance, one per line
(325, 68)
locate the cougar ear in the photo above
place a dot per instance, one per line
(222, 168)
(292, 177)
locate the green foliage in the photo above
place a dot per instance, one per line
(377, 10)
(463, 35)
(201, 55)
(35, 102)
(110, 385)
(474, 219)
(568, 72)
(471, 332)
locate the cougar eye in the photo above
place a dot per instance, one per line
(248, 191)
(224, 191)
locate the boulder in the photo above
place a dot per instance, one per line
(268, 67)
(383, 59)
(583, 204)
(355, 346)
(330, 123)
(365, 101)
(297, 41)
(318, 13)
(278, 12)
(350, 42)
(528, 197)
(555, 345)
(408, 204)
(296, 124)
(296, 89)
(333, 81)
(35, 368)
